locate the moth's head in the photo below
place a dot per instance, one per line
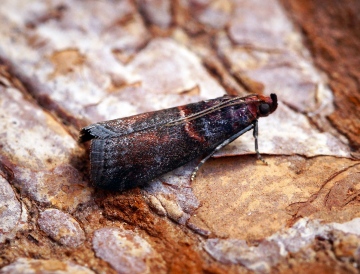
(262, 106)
(267, 105)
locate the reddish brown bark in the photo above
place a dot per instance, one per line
(332, 32)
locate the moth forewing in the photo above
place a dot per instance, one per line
(131, 151)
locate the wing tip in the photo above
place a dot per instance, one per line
(96, 131)
(85, 134)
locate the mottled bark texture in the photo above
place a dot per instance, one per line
(331, 31)
(66, 64)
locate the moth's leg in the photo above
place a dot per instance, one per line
(255, 133)
(227, 141)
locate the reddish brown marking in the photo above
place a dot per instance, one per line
(189, 129)
(253, 109)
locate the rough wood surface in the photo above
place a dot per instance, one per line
(332, 34)
(66, 64)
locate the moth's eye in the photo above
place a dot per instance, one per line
(264, 109)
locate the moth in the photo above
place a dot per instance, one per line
(129, 152)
